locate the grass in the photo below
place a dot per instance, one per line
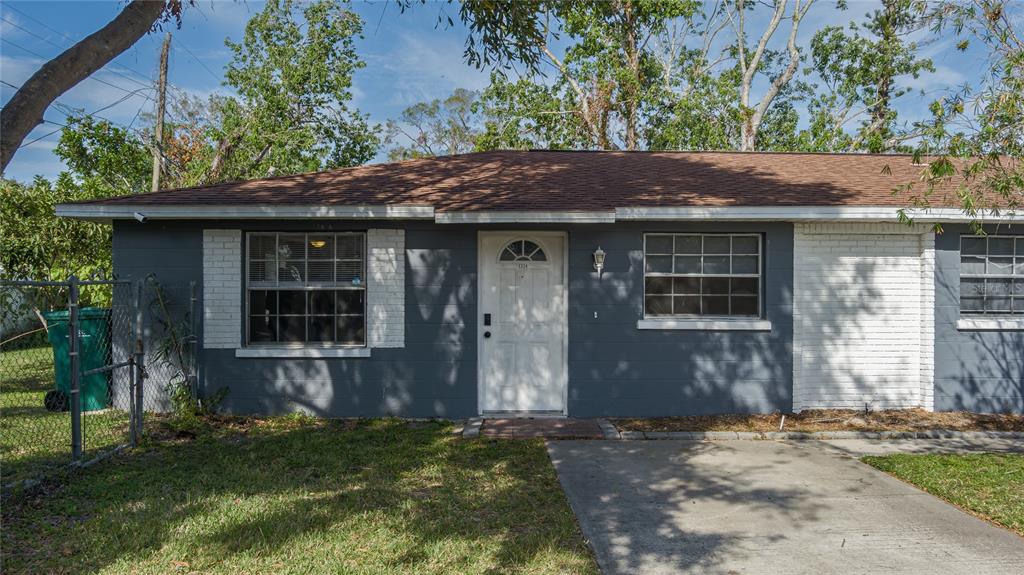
(300, 496)
(33, 440)
(832, 420)
(989, 485)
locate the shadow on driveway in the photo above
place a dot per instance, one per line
(765, 507)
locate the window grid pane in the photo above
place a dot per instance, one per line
(702, 275)
(991, 275)
(306, 287)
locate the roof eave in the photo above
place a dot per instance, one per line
(107, 213)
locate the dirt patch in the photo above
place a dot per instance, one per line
(832, 420)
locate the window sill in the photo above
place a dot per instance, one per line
(302, 352)
(705, 324)
(990, 324)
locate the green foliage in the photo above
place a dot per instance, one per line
(299, 496)
(293, 79)
(524, 114)
(173, 345)
(103, 160)
(987, 484)
(973, 144)
(439, 127)
(860, 68)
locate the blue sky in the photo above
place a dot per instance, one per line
(410, 58)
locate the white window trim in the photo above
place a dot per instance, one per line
(679, 324)
(976, 323)
(971, 320)
(698, 322)
(305, 349)
(302, 352)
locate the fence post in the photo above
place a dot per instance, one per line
(194, 344)
(129, 343)
(139, 363)
(73, 345)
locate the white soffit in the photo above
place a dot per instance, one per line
(378, 212)
(525, 217)
(805, 213)
(255, 212)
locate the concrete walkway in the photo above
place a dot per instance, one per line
(659, 507)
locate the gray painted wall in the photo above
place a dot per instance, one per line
(974, 370)
(617, 370)
(614, 369)
(433, 376)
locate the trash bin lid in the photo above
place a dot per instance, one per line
(83, 313)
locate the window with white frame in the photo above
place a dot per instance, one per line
(306, 288)
(992, 275)
(702, 275)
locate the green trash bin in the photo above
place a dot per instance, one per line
(94, 351)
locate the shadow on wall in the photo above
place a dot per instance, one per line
(857, 338)
(438, 362)
(979, 371)
(617, 369)
(996, 383)
(434, 375)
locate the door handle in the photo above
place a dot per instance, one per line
(487, 334)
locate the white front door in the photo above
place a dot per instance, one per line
(522, 322)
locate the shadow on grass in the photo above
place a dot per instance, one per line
(381, 497)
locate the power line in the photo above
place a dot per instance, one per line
(63, 35)
(93, 78)
(198, 61)
(59, 47)
(68, 109)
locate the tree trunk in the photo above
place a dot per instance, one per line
(883, 88)
(632, 53)
(25, 110)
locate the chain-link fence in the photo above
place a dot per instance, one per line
(70, 359)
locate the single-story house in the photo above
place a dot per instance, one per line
(586, 284)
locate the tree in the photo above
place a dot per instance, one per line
(294, 82)
(439, 127)
(524, 114)
(603, 84)
(24, 111)
(103, 160)
(859, 68)
(752, 62)
(973, 145)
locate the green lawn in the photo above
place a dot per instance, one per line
(302, 496)
(989, 485)
(32, 439)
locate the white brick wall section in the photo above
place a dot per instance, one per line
(928, 320)
(863, 316)
(222, 288)
(385, 288)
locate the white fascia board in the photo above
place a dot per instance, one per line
(530, 217)
(805, 213)
(255, 212)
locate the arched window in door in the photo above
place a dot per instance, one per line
(522, 251)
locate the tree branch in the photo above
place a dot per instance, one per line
(24, 111)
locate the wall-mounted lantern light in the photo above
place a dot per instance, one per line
(599, 260)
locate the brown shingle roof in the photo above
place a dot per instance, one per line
(553, 180)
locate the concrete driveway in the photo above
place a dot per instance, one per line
(657, 507)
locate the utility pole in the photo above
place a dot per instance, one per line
(161, 101)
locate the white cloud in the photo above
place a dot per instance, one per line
(415, 69)
(943, 78)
